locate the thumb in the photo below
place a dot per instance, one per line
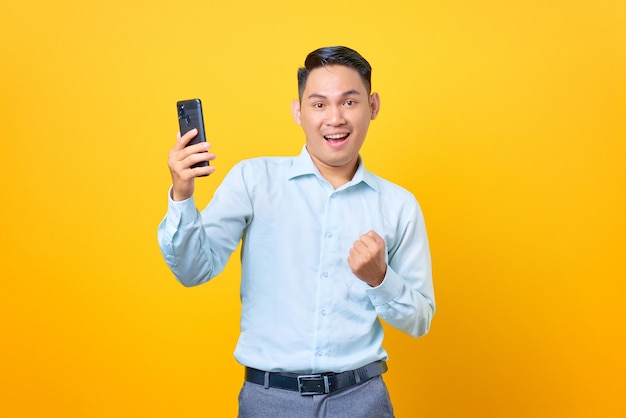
(374, 236)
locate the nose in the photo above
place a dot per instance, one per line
(335, 116)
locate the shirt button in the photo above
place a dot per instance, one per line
(323, 312)
(325, 274)
(328, 235)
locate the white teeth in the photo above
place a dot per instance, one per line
(336, 136)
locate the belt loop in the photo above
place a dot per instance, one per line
(357, 378)
(266, 383)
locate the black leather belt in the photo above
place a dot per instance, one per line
(315, 384)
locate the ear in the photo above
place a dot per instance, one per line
(295, 112)
(374, 105)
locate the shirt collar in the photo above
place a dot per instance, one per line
(303, 165)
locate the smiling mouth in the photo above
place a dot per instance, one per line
(336, 138)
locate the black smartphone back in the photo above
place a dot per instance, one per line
(190, 117)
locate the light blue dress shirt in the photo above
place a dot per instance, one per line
(303, 310)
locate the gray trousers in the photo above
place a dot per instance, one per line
(367, 400)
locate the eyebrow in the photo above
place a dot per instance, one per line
(344, 94)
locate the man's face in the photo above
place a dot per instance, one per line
(335, 111)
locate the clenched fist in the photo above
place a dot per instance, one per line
(367, 258)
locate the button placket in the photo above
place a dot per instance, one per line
(328, 264)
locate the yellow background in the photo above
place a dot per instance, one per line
(504, 118)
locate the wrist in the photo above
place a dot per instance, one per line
(178, 195)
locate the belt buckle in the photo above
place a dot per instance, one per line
(311, 384)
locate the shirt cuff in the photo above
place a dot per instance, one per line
(182, 211)
(388, 290)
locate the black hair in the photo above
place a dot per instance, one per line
(335, 55)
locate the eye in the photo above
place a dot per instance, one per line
(350, 102)
(318, 105)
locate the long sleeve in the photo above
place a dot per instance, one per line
(302, 308)
(183, 243)
(405, 298)
(196, 245)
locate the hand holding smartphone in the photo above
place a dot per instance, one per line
(190, 117)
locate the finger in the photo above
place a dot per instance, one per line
(200, 148)
(202, 171)
(198, 157)
(359, 247)
(181, 161)
(372, 234)
(191, 152)
(354, 261)
(369, 242)
(183, 140)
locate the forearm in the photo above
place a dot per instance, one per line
(402, 306)
(184, 244)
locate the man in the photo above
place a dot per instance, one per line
(328, 249)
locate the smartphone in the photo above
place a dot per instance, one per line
(189, 117)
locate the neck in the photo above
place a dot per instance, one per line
(337, 176)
